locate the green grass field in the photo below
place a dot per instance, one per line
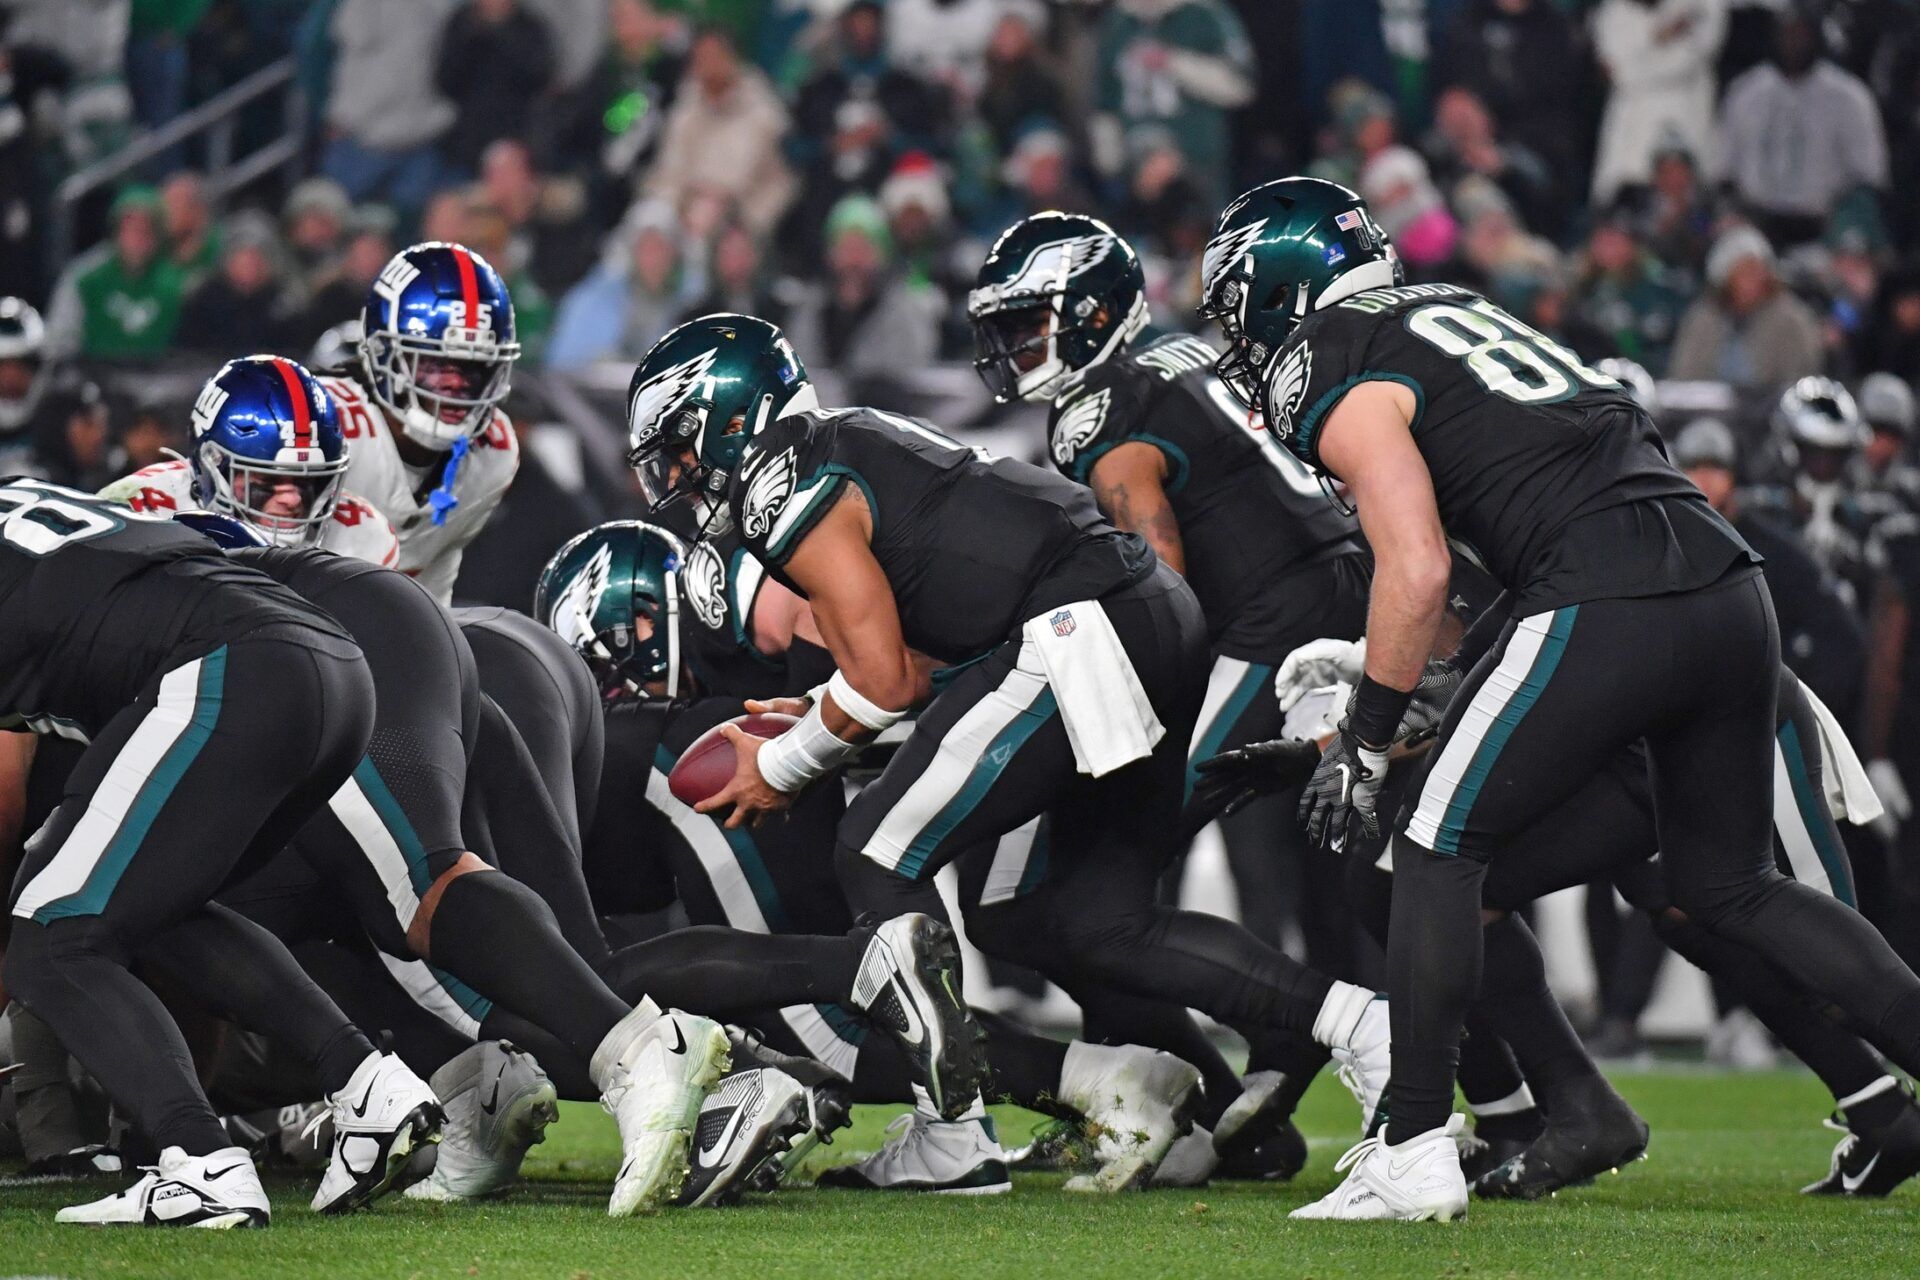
(1716, 1197)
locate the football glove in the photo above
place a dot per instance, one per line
(1315, 665)
(1437, 685)
(1233, 778)
(1345, 787)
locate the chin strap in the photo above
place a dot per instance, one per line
(442, 498)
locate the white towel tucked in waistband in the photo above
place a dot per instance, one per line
(1109, 720)
(1850, 793)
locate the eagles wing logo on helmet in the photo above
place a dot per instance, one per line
(768, 488)
(1079, 424)
(1289, 388)
(705, 580)
(1226, 249)
(573, 612)
(1051, 265)
(659, 395)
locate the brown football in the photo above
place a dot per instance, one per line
(706, 767)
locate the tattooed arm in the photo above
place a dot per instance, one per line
(1129, 481)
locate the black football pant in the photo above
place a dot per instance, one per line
(991, 753)
(1693, 674)
(220, 760)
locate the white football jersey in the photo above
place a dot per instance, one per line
(356, 529)
(429, 552)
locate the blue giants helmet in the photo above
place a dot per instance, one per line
(437, 342)
(267, 449)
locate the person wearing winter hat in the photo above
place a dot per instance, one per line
(1746, 329)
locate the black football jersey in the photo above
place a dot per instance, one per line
(95, 600)
(1250, 512)
(972, 546)
(1545, 468)
(719, 584)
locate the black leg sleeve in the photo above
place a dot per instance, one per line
(1520, 1009)
(498, 937)
(1026, 1067)
(1433, 973)
(240, 972)
(729, 973)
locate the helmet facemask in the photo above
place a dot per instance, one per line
(473, 373)
(1034, 346)
(288, 501)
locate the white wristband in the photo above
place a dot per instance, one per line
(803, 753)
(858, 705)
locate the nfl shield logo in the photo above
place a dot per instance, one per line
(1063, 624)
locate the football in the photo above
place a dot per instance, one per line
(707, 766)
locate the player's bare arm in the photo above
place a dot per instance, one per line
(853, 607)
(1129, 482)
(1368, 443)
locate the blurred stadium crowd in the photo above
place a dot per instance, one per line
(1721, 191)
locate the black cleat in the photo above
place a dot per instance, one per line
(828, 1104)
(1872, 1162)
(1277, 1159)
(1498, 1139)
(909, 986)
(1590, 1130)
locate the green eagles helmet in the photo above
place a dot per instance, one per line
(597, 591)
(699, 395)
(1281, 251)
(1057, 294)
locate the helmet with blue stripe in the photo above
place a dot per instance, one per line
(438, 342)
(267, 449)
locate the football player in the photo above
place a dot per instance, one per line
(427, 442)
(1638, 614)
(780, 878)
(220, 711)
(1076, 669)
(268, 451)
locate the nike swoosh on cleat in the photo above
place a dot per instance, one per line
(679, 1040)
(706, 1154)
(1397, 1170)
(493, 1101)
(360, 1111)
(211, 1176)
(1852, 1182)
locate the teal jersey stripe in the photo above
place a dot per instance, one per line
(476, 1005)
(91, 899)
(1460, 806)
(1179, 466)
(1302, 442)
(986, 771)
(1256, 677)
(746, 854)
(1813, 812)
(1035, 872)
(394, 819)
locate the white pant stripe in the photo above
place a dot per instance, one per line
(821, 1040)
(1802, 856)
(1457, 753)
(1010, 859)
(425, 990)
(716, 856)
(953, 762)
(357, 814)
(1225, 677)
(158, 730)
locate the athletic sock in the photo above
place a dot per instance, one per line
(1518, 1006)
(1874, 1107)
(1488, 1073)
(1433, 972)
(498, 936)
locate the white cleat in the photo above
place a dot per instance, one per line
(214, 1192)
(752, 1117)
(1136, 1102)
(383, 1115)
(654, 1070)
(1190, 1161)
(947, 1157)
(1415, 1181)
(499, 1104)
(1364, 1058)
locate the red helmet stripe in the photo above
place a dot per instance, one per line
(469, 286)
(302, 418)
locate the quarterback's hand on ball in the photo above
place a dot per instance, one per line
(751, 796)
(1232, 778)
(1316, 665)
(795, 707)
(1345, 787)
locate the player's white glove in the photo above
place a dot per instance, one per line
(1892, 790)
(1317, 664)
(1344, 789)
